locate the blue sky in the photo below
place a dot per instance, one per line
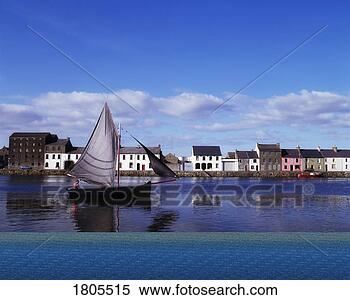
(175, 61)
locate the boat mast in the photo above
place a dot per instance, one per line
(118, 154)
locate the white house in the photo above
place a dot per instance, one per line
(135, 158)
(336, 159)
(61, 155)
(206, 158)
(254, 163)
(230, 163)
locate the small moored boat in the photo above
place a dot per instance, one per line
(309, 174)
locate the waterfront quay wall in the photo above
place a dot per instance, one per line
(206, 174)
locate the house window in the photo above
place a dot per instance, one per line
(210, 157)
(198, 166)
(144, 157)
(333, 159)
(203, 157)
(76, 156)
(285, 160)
(68, 156)
(46, 165)
(210, 166)
(197, 157)
(297, 160)
(53, 156)
(131, 165)
(57, 165)
(47, 156)
(130, 156)
(138, 157)
(123, 156)
(346, 160)
(333, 166)
(297, 167)
(252, 167)
(254, 160)
(217, 158)
(217, 165)
(346, 166)
(285, 167)
(59, 156)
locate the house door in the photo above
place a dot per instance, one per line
(138, 167)
(291, 168)
(143, 167)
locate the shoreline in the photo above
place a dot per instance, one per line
(199, 174)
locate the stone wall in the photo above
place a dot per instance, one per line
(207, 174)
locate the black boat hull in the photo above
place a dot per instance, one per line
(139, 195)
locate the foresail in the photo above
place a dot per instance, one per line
(97, 163)
(160, 168)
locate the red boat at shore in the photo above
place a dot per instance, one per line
(309, 174)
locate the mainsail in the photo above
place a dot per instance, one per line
(97, 163)
(160, 168)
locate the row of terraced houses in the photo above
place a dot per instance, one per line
(270, 157)
(43, 150)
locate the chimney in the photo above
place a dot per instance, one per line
(335, 149)
(298, 148)
(319, 148)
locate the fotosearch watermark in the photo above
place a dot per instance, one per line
(185, 195)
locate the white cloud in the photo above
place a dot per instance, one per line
(186, 115)
(188, 104)
(306, 108)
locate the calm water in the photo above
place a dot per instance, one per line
(323, 205)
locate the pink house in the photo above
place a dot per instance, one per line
(292, 160)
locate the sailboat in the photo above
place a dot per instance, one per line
(99, 166)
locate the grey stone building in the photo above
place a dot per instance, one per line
(269, 156)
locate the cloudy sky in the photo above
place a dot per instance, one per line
(175, 63)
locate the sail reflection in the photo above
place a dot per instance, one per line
(93, 218)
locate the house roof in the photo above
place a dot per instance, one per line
(338, 153)
(76, 150)
(269, 147)
(310, 153)
(171, 158)
(291, 153)
(4, 150)
(231, 155)
(30, 134)
(246, 154)
(139, 150)
(206, 150)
